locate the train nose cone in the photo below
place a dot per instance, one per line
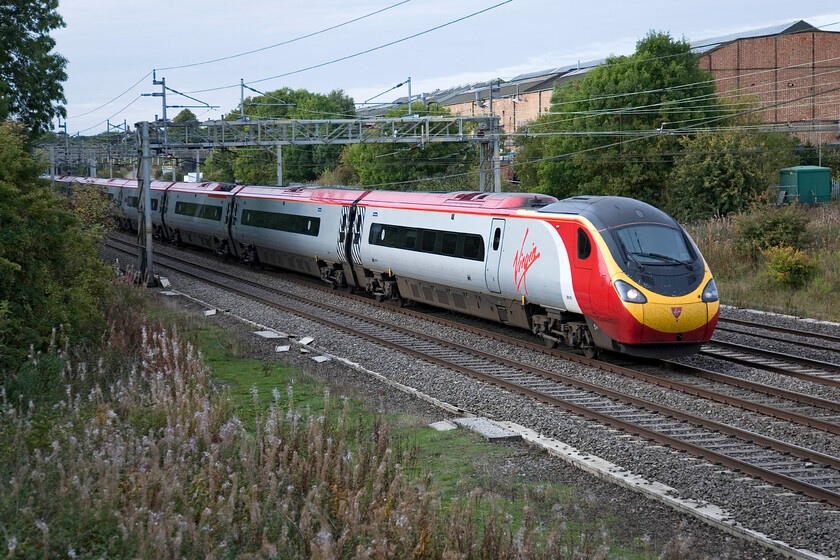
(673, 319)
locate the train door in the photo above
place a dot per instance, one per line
(494, 255)
(350, 239)
(583, 258)
(230, 224)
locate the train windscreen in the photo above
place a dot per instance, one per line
(654, 244)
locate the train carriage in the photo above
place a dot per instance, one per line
(590, 272)
(197, 214)
(296, 228)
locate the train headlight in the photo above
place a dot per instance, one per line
(710, 292)
(628, 293)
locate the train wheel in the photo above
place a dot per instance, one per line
(591, 352)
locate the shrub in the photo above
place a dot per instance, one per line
(769, 227)
(789, 266)
(49, 272)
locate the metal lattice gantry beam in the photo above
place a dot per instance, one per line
(484, 131)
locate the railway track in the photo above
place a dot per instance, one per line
(806, 471)
(816, 371)
(725, 324)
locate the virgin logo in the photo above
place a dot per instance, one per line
(522, 262)
(676, 311)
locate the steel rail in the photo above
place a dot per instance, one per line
(785, 330)
(779, 367)
(769, 390)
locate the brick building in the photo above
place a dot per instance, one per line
(793, 70)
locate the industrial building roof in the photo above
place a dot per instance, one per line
(543, 80)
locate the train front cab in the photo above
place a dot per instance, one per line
(641, 283)
(666, 301)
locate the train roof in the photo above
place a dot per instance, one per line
(460, 200)
(402, 199)
(610, 211)
(314, 193)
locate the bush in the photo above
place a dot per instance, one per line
(769, 227)
(788, 266)
(49, 272)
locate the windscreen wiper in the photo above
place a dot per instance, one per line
(661, 257)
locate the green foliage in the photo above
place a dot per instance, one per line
(740, 261)
(30, 75)
(771, 227)
(39, 378)
(391, 166)
(788, 266)
(722, 173)
(93, 208)
(603, 132)
(49, 272)
(184, 116)
(300, 163)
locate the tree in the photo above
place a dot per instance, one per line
(185, 116)
(390, 165)
(607, 133)
(30, 74)
(722, 173)
(300, 163)
(49, 272)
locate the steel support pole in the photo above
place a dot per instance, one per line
(279, 165)
(144, 210)
(497, 169)
(482, 166)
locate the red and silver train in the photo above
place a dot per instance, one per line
(593, 272)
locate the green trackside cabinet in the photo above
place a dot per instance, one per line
(808, 183)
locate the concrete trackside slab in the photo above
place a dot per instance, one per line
(443, 426)
(487, 428)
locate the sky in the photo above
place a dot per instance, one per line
(362, 47)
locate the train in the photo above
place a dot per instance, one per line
(590, 272)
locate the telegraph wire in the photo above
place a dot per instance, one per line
(237, 55)
(360, 53)
(286, 42)
(112, 116)
(137, 83)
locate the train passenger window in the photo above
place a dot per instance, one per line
(497, 239)
(154, 204)
(375, 230)
(584, 245)
(450, 243)
(429, 239)
(277, 221)
(410, 240)
(474, 247)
